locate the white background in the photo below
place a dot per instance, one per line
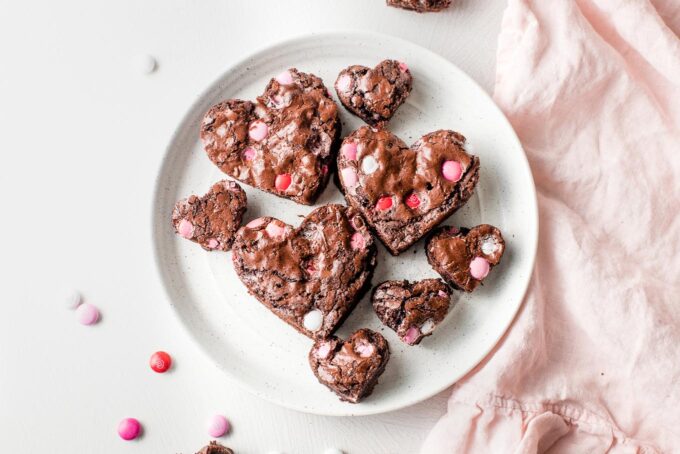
(82, 134)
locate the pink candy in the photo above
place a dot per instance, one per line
(324, 349)
(452, 170)
(218, 426)
(87, 314)
(258, 130)
(282, 181)
(349, 177)
(344, 83)
(274, 230)
(403, 67)
(479, 268)
(384, 203)
(349, 151)
(285, 78)
(442, 293)
(358, 242)
(129, 429)
(411, 335)
(413, 201)
(213, 243)
(185, 229)
(249, 154)
(364, 349)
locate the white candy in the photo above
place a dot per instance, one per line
(489, 246)
(73, 299)
(333, 451)
(427, 327)
(313, 320)
(369, 165)
(146, 64)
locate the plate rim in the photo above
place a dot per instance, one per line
(214, 85)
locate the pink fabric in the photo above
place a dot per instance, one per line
(592, 362)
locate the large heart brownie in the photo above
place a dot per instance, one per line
(311, 277)
(420, 6)
(374, 94)
(413, 310)
(284, 143)
(213, 219)
(351, 368)
(464, 257)
(404, 192)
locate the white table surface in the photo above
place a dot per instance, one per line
(82, 134)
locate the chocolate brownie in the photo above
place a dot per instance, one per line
(284, 143)
(464, 257)
(215, 448)
(413, 310)
(310, 277)
(374, 94)
(405, 192)
(213, 219)
(420, 6)
(351, 368)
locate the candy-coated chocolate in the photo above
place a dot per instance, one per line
(186, 229)
(160, 362)
(283, 181)
(452, 170)
(218, 426)
(87, 314)
(258, 130)
(384, 203)
(479, 268)
(285, 78)
(129, 429)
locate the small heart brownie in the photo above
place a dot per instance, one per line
(404, 192)
(351, 368)
(374, 94)
(211, 220)
(420, 6)
(413, 310)
(310, 277)
(284, 143)
(464, 257)
(215, 448)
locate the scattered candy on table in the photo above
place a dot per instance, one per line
(145, 64)
(218, 426)
(160, 362)
(73, 299)
(129, 429)
(87, 314)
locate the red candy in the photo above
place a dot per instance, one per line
(160, 362)
(413, 201)
(384, 203)
(282, 181)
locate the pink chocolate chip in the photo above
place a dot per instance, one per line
(255, 223)
(349, 151)
(452, 170)
(479, 268)
(403, 66)
(358, 242)
(344, 83)
(185, 229)
(213, 243)
(411, 335)
(274, 230)
(285, 78)
(349, 177)
(258, 130)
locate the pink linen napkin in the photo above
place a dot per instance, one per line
(592, 361)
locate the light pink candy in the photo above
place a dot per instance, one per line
(349, 177)
(349, 151)
(255, 223)
(442, 294)
(249, 154)
(479, 268)
(364, 349)
(344, 83)
(87, 314)
(129, 429)
(452, 170)
(411, 335)
(358, 242)
(258, 130)
(323, 350)
(274, 230)
(403, 66)
(285, 78)
(185, 229)
(213, 243)
(218, 426)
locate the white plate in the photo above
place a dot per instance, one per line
(267, 356)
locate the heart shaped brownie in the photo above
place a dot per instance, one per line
(284, 143)
(374, 94)
(404, 192)
(310, 277)
(420, 6)
(413, 310)
(215, 448)
(213, 219)
(351, 368)
(464, 257)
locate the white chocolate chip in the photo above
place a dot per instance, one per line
(221, 131)
(489, 245)
(313, 320)
(427, 327)
(369, 165)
